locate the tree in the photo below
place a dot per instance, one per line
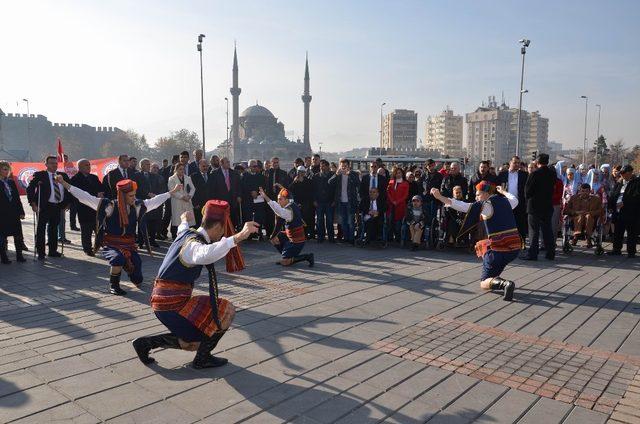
(176, 142)
(120, 143)
(634, 157)
(618, 152)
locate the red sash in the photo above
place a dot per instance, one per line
(296, 235)
(125, 245)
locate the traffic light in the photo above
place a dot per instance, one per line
(534, 155)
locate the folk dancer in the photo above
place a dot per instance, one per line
(503, 240)
(196, 323)
(117, 223)
(289, 242)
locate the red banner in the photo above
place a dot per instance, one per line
(23, 171)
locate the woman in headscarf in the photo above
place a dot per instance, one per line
(594, 179)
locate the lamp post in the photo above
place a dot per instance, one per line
(28, 129)
(584, 141)
(320, 144)
(381, 123)
(523, 51)
(226, 99)
(200, 37)
(598, 135)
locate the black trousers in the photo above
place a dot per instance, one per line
(73, 213)
(48, 220)
(521, 222)
(166, 218)
(536, 224)
(152, 228)
(87, 228)
(631, 228)
(373, 229)
(197, 213)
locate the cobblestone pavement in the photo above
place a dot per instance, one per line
(366, 335)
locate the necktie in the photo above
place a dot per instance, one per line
(204, 176)
(124, 173)
(226, 180)
(56, 190)
(375, 182)
(371, 208)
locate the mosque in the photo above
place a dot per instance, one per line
(257, 134)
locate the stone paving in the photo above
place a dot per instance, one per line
(366, 335)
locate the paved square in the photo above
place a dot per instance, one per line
(365, 336)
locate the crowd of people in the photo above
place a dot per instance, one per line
(387, 204)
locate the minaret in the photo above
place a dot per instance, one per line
(235, 93)
(306, 99)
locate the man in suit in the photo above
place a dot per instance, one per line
(47, 198)
(372, 208)
(346, 183)
(373, 180)
(254, 206)
(539, 193)
(624, 202)
(515, 180)
(90, 183)
(157, 185)
(277, 179)
(226, 186)
(112, 178)
(166, 172)
(200, 180)
(194, 165)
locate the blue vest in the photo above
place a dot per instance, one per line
(172, 268)
(111, 224)
(502, 219)
(297, 217)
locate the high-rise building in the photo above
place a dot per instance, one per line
(492, 133)
(444, 133)
(489, 134)
(400, 131)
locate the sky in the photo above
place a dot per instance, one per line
(134, 64)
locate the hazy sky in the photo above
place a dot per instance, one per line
(133, 64)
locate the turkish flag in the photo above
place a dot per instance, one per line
(60, 151)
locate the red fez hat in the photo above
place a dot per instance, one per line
(122, 187)
(284, 193)
(220, 210)
(486, 186)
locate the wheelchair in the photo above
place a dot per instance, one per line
(440, 232)
(596, 236)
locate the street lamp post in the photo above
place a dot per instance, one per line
(523, 51)
(320, 144)
(584, 140)
(598, 135)
(381, 122)
(226, 99)
(200, 37)
(28, 129)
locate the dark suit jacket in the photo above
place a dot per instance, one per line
(382, 188)
(144, 184)
(365, 206)
(110, 180)
(539, 191)
(220, 190)
(91, 184)
(11, 210)
(192, 168)
(203, 189)
(276, 176)
(630, 199)
(353, 185)
(503, 178)
(41, 183)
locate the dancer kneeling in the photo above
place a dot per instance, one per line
(503, 241)
(290, 241)
(195, 322)
(118, 223)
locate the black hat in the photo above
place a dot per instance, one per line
(626, 168)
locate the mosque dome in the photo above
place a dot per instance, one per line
(257, 111)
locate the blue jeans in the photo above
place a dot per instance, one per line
(324, 220)
(347, 220)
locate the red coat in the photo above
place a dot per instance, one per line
(397, 199)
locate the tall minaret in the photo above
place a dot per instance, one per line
(306, 99)
(235, 93)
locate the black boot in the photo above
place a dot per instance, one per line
(3, 252)
(309, 258)
(204, 358)
(114, 281)
(508, 286)
(143, 345)
(19, 256)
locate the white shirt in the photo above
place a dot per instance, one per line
(204, 254)
(487, 209)
(52, 196)
(373, 207)
(93, 202)
(512, 185)
(285, 213)
(619, 200)
(372, 179)
(124, 172)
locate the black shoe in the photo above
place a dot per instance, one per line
(117, 291)
(41, 256)
(89, 253)
(74, 228)
(24, 247)
(203, 358)
(614, 253)
(114, 282)
(64, 240)
(509, 287)
(19, 257)
(4, 259)
(55, 254)
(143, 345)
(311, 259)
